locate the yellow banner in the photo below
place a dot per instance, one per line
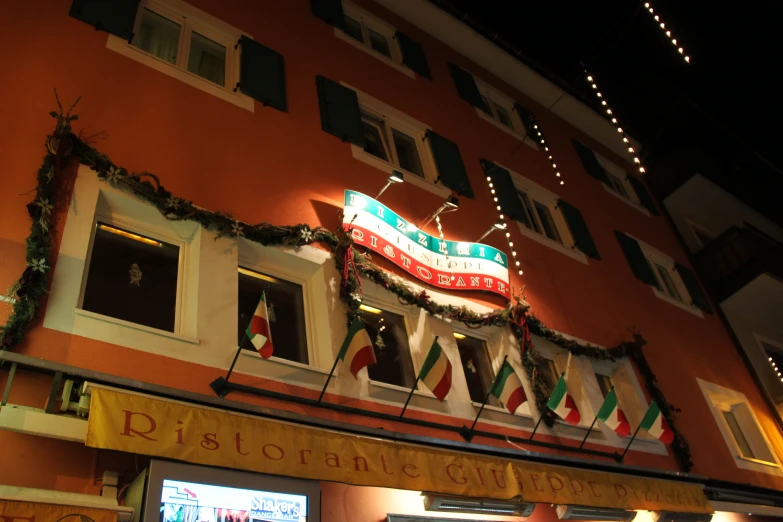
(135, 424)
(34, 512)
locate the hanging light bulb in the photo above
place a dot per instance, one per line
(668, 32)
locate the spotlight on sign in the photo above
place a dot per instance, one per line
(396, 177)
(499, 225)
(451, 203)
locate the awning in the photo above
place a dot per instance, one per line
(149, 426)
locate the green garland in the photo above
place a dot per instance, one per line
(353, 265)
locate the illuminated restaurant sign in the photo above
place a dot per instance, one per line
(445, 264)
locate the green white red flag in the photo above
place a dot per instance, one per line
(508, 388)
(611, 414)
(436, 372)
(258, 330)
(563, 404)
(357, 351)
(654, 423)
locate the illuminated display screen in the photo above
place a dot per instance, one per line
(191, 502)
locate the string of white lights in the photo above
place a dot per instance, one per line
(503, 218)
(623, 135)
(548, 153)
(777, 370)
(443, 239)
(668, 32)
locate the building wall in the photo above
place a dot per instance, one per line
(280, 167)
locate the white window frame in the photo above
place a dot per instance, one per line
(536, 192)
(719, 399)
(413, 128)
(495, 96)
(190, 19)
(614, 171)
(656, 257)
(143, 229)
(368, 22)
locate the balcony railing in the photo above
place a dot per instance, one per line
(737, 257)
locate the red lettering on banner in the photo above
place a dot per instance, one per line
(552, 484)
(501, 287)
(178, 431)
(127, 430)
(358, 235)
(534, 478)
(520, 485)
(239, 440)
(363, 461)
(495, 473)
(488, 282)
(592, 485)
(581, 487)
(383, 463)
(460, 480)
(460, 281)
(302, 456)
(424, 273)
(210, 441)
(444, 279)
(373, 241)
(332, 460)
(406, 261)
(412, 466)
(620, 490)
(474, 281)
(481, 476)
(276, 447)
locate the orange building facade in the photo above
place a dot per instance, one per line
(268, 112)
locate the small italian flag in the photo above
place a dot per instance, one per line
(258, 330)
(654, 423)
(357, 351)
(508, 388)
(436, 372)
(563, 404)
(613, 416)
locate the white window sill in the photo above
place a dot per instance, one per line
(528, 140)
(385, 59)
(688, 308)
(626, 200)
(554, 245)
(760, 466)
(121, 46)
(410, 178)
(284, 362)
(420, 392)
(134, 326)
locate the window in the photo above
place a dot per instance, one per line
(540, 218)
(665, 281)
(285, 312)
(477, 367)
(740, 429)
(617, 180)
(389, 337)
(372, 33)
(133, 277)
(499, 109)
(177, 39)
(604, 383)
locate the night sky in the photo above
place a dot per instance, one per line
(728, 97)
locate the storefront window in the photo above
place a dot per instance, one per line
(477, 367)
(132, 277)
(390, 342)
(285, 312)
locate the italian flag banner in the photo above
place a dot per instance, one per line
(436, 372)
(654, 423)
(508, 388)
(258, 330)
(613, 416)
(357, 351)
(563, 404)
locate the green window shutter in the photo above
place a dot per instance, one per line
(528, 120)
(506, 192)
(644, 197)
(340, 114)
(691, 282)
(581, 234)
(590, 162)
(466, 85)
(413, 55)
(262, 74)
(116, 16)
(448, 160)
(330, 11)
(633, 253)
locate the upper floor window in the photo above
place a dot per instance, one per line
(371, 32)
(389, 336)
(285, 313)
(395, 142)
(477, 366)
(539, 216)
(500, 108)
(133, 277)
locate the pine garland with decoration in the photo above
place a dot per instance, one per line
(28, 292)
